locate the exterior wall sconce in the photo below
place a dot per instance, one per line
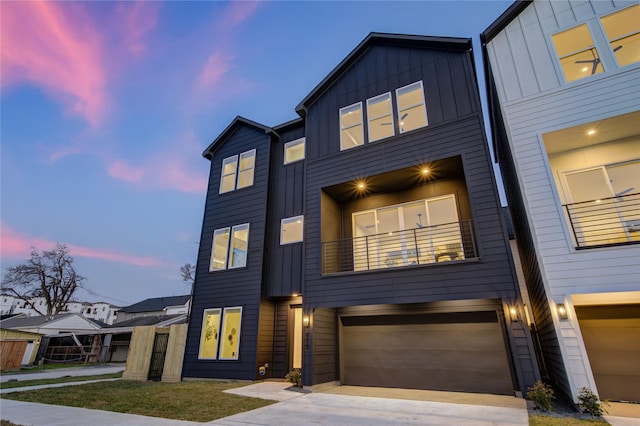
(562, 311)
(513, 311)
(305, 321)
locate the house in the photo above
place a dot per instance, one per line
(154, 307)
(563, 82)
(363, 242)
(101, 311)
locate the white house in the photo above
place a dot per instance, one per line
(101, 311)
(563, 81)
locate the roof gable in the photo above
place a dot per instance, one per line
(231, 128)
(446, 43)
(50, 322)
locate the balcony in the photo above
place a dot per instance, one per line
(412, 247)
(605, 222)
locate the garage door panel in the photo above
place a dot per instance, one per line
(611, 336)
(468, 357)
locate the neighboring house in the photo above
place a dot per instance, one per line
(101, 311)
(364, 241)
(17, 348)
(154, 307)
(563, 81)
(51, 324)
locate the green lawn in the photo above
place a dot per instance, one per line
(192, 401)
(542, 420)
(22, 383)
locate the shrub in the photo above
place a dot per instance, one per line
(295, 377)
(590, 403)
(542, 396)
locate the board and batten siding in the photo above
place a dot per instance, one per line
(234, 287)
(283, 276)
(534, 100)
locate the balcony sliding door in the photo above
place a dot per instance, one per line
(418, 232)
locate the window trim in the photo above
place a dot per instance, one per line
(202, 334)
(223, 333)
(251, 153)
(423, 103)
(293, 219)
(360, 123)
(293, 143)
(233, 159)
(593, 47)
(229, 230)
(390, 115)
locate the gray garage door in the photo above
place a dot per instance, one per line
(452, 352)
(611, 335)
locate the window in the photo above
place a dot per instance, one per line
(231, 178)
(210, 334)
(623, 32)
(294, 151)
(247, 163)
(412, 111)
(230, 344)
(229, 248)
(291, 230)
(380, 117)
(351, 129)
(577, 53)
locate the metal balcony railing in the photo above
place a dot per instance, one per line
(605, 222)
(411, 247)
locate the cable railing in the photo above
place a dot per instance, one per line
(420, 246)
(605, 222)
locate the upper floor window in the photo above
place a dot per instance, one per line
(351, 129)
(412, 111)
(294, 151)
(577, 53)
(229, 248)
(291, 230)
(237, 171)
(380, 117)
(623, 32)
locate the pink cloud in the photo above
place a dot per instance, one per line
(135, 20)
(215, 68)
(239, 11)
(18, 246)
(119, 169)
(172, 168)
(54, 45)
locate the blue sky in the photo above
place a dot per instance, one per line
(106, 108)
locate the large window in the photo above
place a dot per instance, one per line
(210, 334)
(412, 111)
(291, 230)
(229, 248)
(577, 53)
(294, 151)
(351, 129)
(623, 32)
(237, 171)
(380, 117)
(220, 336)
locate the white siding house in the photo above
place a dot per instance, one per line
(564, 86)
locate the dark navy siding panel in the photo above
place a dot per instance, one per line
(236, 287)
(283, 269)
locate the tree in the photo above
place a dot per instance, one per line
(188, 273)
(49, 275)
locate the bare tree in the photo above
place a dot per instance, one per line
(49, 275)
(188, 273)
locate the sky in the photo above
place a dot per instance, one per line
(106, 108)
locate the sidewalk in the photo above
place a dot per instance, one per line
(89, 370)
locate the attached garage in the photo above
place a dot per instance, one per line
(611, 335)
(462, 352)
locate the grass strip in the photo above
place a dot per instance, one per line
(542, 420)
(36, 382)
(198, 401)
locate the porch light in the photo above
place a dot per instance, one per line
(591, 132)
(513, 311)
(425, 171)
(562, 311)
(305, 321)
